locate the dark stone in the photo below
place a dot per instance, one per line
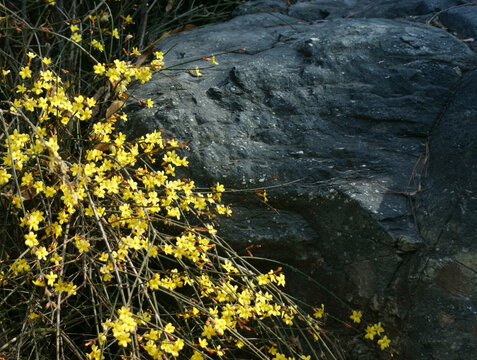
(311, 11)
(336, 120)
(406, 8)
(261, 6)
(316, 10)
(462, 20)
(446, 216)
(451, 174)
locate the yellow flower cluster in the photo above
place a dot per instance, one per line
(122, 327)
(16, 152)
(62, 286)
(170, 282)
(377, 330)
(170, 345)
(372, 330)
(20, 266)
(121, 73)
(193, 247)
(108, 217)
(107, 185)
(280, 356)
(47, 97)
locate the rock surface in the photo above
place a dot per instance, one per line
(462, 20)
(363, 132)
(312, 10)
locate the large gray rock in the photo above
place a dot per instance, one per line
(446, 213)
(313, 10)
(462, 20)
(334, 118)
(407, 8)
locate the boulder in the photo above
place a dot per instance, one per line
(446, 265)
(462, 20)
(356, 128)
(316, 10)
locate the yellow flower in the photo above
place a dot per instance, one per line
(41, 253)
(56, 229)
(197, 356)
(203, 343)
(135, 51)
(195, 72)
(172, 348)
(280, 280)
(149, 103)
(82, 245)
(97, 45)
(30, 239)
(227, 265)
(378, 328)
(4, 176)
(384, 342)
(68, 287)
(113, 74)
(103, 257)
(21, 88)
(370, 333)
(169, 328)
(143, 74)
(153, 350)
(95, 353)
(34, 219)
(220, 325)
(76, 37)
(51, 277)
(49, 191)
(74, 28)
(90, 101)
(20, 266)
(263, 280)
(33, 316)
(46, 61)
(56, 258)
(25, 72)
(52, 145)
(219, 350)
(38, 282)
(211, 230)
(46, 76)
(218, 187)
(356, 316)
(62, 217)
(39, 186)
(221, 209)
(209, 331)
(115, 33)
(128, 19)
(99, 69)
(212, 60)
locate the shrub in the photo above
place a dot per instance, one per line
(107, 252)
